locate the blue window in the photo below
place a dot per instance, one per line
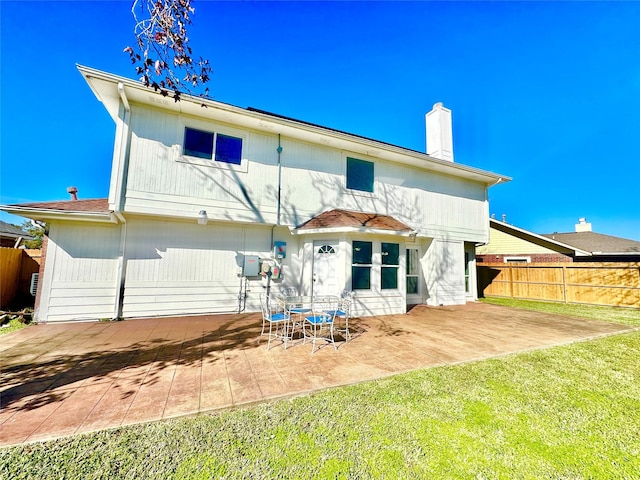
(359, 175)
(200, 144)
(228, 149)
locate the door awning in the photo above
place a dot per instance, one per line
(337, 220)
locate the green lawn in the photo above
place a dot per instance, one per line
(569, 412)
(628, 316)
(12, 326)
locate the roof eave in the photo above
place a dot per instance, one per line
(43, 214)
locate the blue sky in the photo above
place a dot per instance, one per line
(545, 92)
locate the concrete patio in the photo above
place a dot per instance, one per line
(65, 379)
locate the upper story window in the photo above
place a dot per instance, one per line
(212, 146)
(359, 175)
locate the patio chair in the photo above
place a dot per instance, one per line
(277, 319)
(320, 321)
(343, 313)
(296, 312)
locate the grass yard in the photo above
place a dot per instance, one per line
(12, 326)
(570, 412)
(627, 316)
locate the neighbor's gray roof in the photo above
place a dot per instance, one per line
(12, 231)
(596, 243)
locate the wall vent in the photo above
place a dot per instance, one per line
(33, 288)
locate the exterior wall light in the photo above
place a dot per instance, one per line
(202, 217)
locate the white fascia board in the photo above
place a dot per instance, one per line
(65, 215)
(577, 251)
(105, 87)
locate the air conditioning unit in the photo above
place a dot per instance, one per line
(33, 288)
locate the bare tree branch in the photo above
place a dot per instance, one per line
(162, 54)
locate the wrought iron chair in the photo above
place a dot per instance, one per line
(277, 319)
(296, 312)
(343, 312)
(320, 319)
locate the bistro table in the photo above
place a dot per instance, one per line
(299, 305)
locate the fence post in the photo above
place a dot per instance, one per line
(564, 283)
(510, 280)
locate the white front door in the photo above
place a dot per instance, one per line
(325, 268)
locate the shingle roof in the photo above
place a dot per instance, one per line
(345, 218)
(12, 231)
(596, 242)
(97, 205)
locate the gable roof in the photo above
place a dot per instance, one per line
(113, 90)
(95, 209)
(338, 220)
(597, 243)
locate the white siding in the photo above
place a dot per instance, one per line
(443, 267)
(81, 263)
(185, 268)
(159, 183)
(313, 181)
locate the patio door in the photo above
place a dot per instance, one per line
(413, 276)
(325, 268)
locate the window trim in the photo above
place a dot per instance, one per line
(243, 167)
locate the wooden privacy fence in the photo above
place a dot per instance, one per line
(614, 284)
(16, 267)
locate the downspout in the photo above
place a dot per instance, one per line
(124, 157)
(279, 193)
(278, 204)
(279, 150)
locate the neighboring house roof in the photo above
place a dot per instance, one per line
(345, 220)
(8, 230)
(597, 243)
(96, 209)
(552, 244)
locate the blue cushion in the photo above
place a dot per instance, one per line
(319, 319)
(337, 313)
(276, 317)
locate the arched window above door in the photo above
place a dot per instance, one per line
(326, 249)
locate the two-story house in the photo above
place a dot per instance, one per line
(208, 207)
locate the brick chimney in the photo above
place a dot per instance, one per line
(439, 133)
(583, 226)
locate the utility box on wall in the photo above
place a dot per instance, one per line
(251, 266)
(279, 249)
